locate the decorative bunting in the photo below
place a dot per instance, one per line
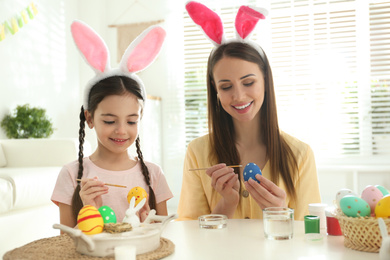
(30, 14)
(20, 22)
(15, 27)
(35, 11)
(17, 21)
(24, 16)
(9, 28)
(2, 32)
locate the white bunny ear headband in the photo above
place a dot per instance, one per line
(139, 55)
(211, 24)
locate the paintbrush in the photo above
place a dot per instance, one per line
(109, 184)
(200, 169)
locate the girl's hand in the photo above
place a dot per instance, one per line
(225, 182)
(143, 213)
(91, 192)
(266, 194)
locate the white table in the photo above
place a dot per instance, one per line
(244, 239)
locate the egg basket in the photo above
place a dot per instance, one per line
(361, 233)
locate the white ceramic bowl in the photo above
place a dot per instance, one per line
(145, 238)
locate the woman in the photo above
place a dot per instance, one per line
(243, 128)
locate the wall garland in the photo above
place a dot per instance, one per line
(17, 21)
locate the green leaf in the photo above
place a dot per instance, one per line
(27, 122)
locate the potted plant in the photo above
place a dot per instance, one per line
(27, 122)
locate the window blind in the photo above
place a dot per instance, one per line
(331, 67)
(380, 76)
(314, 59)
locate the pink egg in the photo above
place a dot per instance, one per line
(371, 195)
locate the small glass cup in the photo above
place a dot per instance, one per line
(278, 223)
(213, 221)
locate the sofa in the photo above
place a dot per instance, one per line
(28, 173)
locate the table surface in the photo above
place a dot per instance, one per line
(244, 239)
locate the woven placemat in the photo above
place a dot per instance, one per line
(62, 247)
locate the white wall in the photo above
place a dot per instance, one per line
(38, 65)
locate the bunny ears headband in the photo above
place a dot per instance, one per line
(210, 22)
(139, 55)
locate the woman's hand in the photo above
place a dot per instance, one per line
(226, 183)
(266, 194)
(91, 192)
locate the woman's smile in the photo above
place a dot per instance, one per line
(243, 108)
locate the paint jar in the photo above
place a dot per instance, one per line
(332, 223)
(312, 228)
(318, 209)
(312, 224)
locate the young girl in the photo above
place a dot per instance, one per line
(243, 128)
(113, 105)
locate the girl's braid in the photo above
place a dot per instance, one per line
(77, 203)
(145, 172)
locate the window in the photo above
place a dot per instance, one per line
(331, 67)
(380, 76)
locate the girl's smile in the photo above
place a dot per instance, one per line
(119, 141)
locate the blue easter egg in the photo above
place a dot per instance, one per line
(250, 171)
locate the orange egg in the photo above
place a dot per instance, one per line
(138, 192)
(90, 220)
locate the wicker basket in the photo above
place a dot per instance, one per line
(361, 233)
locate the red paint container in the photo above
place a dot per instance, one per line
(332, 223)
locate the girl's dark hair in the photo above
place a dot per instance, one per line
(115, 85)
(222, 135)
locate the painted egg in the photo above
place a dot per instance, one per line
(89, 220)
(371, 195)
(353, 206)
(382, 209)
(138, 192)
(382, 189)
(108, 214)
(342, 193)
(250, 171)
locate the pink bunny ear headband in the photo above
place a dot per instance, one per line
(139, 55)
(210, 22)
